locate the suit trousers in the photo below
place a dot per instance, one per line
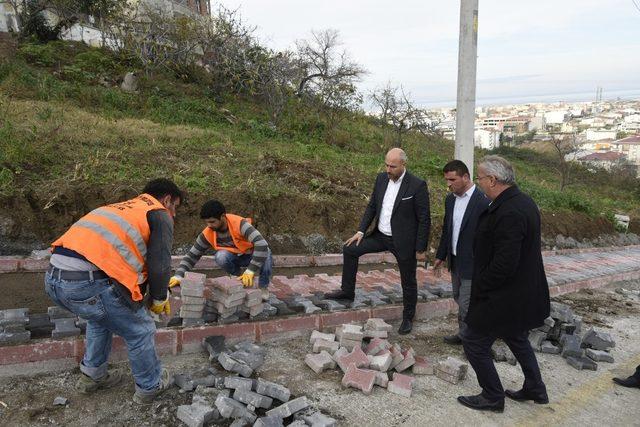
(461, 295)
(477, 347)
(378, 242)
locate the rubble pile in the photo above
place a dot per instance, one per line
(220, 398)
(367, 359)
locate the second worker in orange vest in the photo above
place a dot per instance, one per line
(237, 244)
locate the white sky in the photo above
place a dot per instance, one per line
(544, 49)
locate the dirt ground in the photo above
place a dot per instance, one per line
(577, 397)
(27, 289)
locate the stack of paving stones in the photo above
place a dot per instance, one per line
(13, 326)
(219, 398)
(366, 358)
(228, 296)
(193, 299)
(252, 304)
(562, 334)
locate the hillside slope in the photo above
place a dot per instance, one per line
(71, 140)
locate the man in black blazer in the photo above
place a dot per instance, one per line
(462, 208)
(399, 210)
(509, 291)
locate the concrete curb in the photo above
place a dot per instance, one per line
(49, 355)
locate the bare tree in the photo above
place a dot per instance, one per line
(321, 63)
(564, 150)
(397, 109)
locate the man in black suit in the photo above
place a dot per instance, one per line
(509, 291)
(462, 208)
(399, 209)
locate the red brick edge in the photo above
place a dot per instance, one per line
(174, 341)
(11, 264)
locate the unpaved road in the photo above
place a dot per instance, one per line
(577, 397)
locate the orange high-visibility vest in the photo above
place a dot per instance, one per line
(114, 238)
(243, 246)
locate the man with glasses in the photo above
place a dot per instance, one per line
(509, 291)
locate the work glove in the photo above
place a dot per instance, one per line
(160, 307)
(174, 281)
(247, 278)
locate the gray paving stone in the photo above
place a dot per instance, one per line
(60, 401)
(330, 305)
(289, 408)
(549, 347)
(233, 365)
(254, 360)
(599, 355)
(598, 340)
(250, 398)
(571, 346)
(561, 312)
(269, 422)
(273, 390)
(197, 415)
(581, 363)
(56, 312)
(14, 316)
(214, 344)
(536, 338)
(65, 327)
(238, 383)
(183, 382)
(315, 419)
(230, 408)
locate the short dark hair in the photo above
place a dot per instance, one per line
(456, 166)
(212, 209)
(160, 187)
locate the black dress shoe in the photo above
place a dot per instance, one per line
(481, 403)
(452, 339)
(523, 395)
(339, 295)
(405, 327)
(631, 382)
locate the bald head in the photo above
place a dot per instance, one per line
(395, 162)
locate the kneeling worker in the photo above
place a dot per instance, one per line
(100, 270)
(237, 244)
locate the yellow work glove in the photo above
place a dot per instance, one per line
(160, 307)
(247, 278)
(174, 281)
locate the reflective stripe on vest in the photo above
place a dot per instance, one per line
(122, 249)
(131, 232)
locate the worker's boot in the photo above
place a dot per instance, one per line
(86, 384)
(147, 397)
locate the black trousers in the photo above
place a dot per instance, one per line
(378, 242)
(636, 374)
(477, 347)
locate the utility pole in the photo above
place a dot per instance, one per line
(466, 98)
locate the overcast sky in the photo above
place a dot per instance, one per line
(546, 50)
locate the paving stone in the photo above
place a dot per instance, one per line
(230, 408)
(382, 379)
(183, 381)
(599, 355)
(361, 379)
(451, 370)
(423, 366)
(536, 338)
(331, 305)
(60, 401)
(571, 346)
(214, 344)
(254, 360)
(269, 422)
(375, 334)
(350, 344)
(549, 323)
(376, 346)
(426, 295)
(316, 335)
(273, 390)
(561, 312)
(57, 312)
(240, 422)
(289, 408)
(250, 398)
(549, 347)
(238, 383)
(396, 355)
(228, 319)
(339, 353)
(324, 345)
(14, 316)
(380, 363)
(233, 365)
(358, 303)
(39, 321)
(356, 357)
(305, 306)
(407, 360)
(206, 395)
(581, 363)
(598, 340)
(65, 327)
(319, 362)
(316, 419)
(196, 415)
(401, 384)
(283, 309)
(298, 423)
(352, 332)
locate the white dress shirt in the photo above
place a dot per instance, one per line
(384, 223)
(459, 208)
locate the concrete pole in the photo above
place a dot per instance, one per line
(466, 99)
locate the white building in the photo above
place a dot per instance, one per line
(600, 134)
(556, 117)
(630, 147)
(487, 138)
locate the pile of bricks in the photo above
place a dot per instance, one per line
(366, 364)
(562, 334)
(219, 398)
(193, 300)
(13, 324)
